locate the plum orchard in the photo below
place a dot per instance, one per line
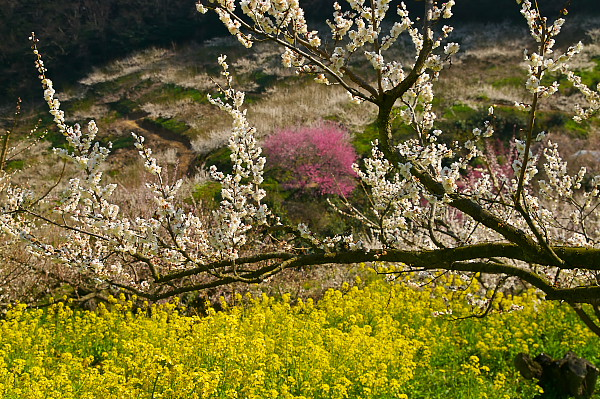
(423, 213)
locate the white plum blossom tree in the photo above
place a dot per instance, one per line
(424, 213)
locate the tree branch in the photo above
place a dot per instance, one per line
(587, 320)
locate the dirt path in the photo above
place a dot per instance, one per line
(160, 140)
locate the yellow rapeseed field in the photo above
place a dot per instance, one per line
(375, 339)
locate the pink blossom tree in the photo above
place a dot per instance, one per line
(316, 158)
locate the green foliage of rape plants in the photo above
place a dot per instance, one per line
(372, 339)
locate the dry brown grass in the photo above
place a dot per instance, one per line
(580, 152)
(305, 104)
(289, 105)
(136, 62)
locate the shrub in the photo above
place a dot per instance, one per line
(315, 158)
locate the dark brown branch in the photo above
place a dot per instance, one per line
(215, 265)
(480, 214)
(585, 318)
(62, 226)
(453, 259)
(489, 306)
(575, 257)
(361, 82)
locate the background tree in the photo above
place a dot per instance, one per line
(504, 228)
(313, 159)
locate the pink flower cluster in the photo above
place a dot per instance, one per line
(315, 158)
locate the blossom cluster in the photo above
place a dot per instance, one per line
(241, 208)
(544, 60)
(354, 30)
(99, 240)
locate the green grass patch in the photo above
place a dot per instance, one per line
(208, 193)
(81, 104)
(170, 92)
(220, 157)
(459, 112)
(263, 79)
(123, 141)
(173, 125)
(56, 139)
(362, 140)
(458, 121)
(110, 117)
(591, 76)
(509, 81)
(577, 129)
(14, 165)
(126, 107)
